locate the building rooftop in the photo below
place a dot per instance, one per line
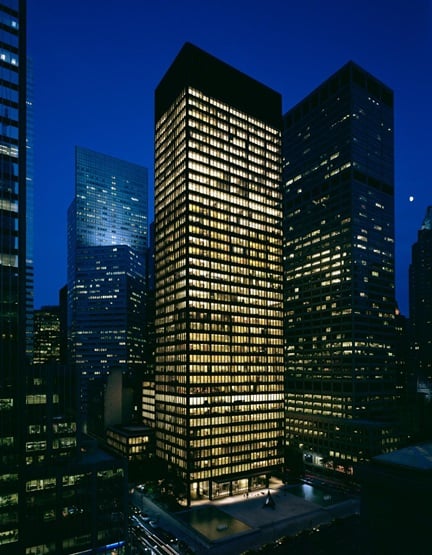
(131, 431)
(427, 222)
(196, 68)
(417, 457)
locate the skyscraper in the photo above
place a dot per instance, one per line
(420, 301)
(148, 384)
(29, 212)
(218, 268)
(51, 499)
(338, 182)
(47, 335)
(13, 260)
(107, 241)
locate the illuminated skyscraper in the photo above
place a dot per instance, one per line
(107, 242)
(218, 267)
(420, 301)
(338, 182)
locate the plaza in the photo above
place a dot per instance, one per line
(235, 524)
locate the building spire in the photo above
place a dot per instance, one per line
(427, 222)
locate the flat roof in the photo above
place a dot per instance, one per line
(350, 73)
(417, 457)
(131, 430)
(196, 68)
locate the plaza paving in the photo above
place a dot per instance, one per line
(290, 515)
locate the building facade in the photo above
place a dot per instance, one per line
(134, 443)
(47, 335)
(218, 268)
(148, 384)
(107, 242)
(395, 508)
(420, 303)
(338, 184)
(13, 262)
(76, 507)
(52, 500)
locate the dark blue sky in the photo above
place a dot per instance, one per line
(96, 64)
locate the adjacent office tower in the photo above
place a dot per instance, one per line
(339, 270)
(107, 241)
(218, 260)
(50, 500)
(13, 254)
(420, 301)
(47, 335)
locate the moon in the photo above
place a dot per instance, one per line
(411, 198)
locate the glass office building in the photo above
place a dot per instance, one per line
(13, 260)
(107, 242)
(218, 267)
(47, 335)
(338, 184)
(420, 302)
(51, 501)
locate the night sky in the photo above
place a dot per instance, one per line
(96, 64)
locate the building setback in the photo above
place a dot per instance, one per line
(218, 267)
(338, 187)
(107, 242)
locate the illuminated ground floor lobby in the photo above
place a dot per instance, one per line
(226, 487)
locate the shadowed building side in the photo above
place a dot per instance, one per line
(338, 182)
(420, 303)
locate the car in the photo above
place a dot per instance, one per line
(133, 509)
